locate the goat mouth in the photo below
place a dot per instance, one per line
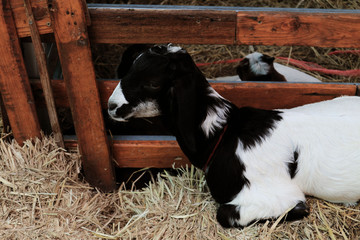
(118, 118)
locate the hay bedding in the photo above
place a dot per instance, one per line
(42, 197)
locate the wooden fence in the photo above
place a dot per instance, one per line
(75, 25)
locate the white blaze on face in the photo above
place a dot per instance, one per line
(257, 66)
(117, 98)
(148, 108)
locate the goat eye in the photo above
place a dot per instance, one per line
(152, 87)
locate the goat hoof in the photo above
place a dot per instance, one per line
(300, 211)
(228, 215)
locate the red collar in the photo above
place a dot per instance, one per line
(214, 149)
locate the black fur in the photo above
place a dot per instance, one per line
(128, 57)
(227, 214)
(256, 126)
(292, 165)
(300, 211)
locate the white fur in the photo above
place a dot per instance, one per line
(257, 66)
(146, 109)
(294, 75)
(143, 109)
(338, 106)
(328, 143)
(174, 49)
(216, 116)
(118, 98)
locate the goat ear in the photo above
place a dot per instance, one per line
(184, 111)
(181, 63)
(268, 59)
(243, 68)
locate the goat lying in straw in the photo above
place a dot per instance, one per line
(259, 164)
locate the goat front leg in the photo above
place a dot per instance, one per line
(257, 203)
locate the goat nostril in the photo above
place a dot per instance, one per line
(112, 106)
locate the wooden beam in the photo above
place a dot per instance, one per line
(330, 29)
(41, 14)
(44, 75)
(141, 153)
(70, 30)
(255, 94)
(162, 25)
(282, 95)
(112, 23)
(14, 83)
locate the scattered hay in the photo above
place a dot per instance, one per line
(41, 197)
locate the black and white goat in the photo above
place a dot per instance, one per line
(259, 164)
(261, 67)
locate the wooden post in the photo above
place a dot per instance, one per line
(14, 82)
(69, 25)
(44, 75)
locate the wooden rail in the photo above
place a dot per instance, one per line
(75, 26)
(143, 151)
(209, 25)
(254, 94)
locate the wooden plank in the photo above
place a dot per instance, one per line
(209, 25)
(70, 30)
(255, 94)
(281, 95)
(158, 25)
(44, 75)
(144, 153)
(41, 14)
(14, 83)
(298, 28)
(156, 153)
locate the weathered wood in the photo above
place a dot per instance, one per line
(151, 25)
(14, 83)
(255, 94)
(69, 23)
(144, 153)
(44, 75)
(282, 95)
(41, 14)
(209, 25)
(298, 28)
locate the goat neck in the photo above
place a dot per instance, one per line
(198, 115)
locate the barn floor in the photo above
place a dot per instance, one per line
(42, 197)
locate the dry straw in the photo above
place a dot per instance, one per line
(42, 197)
